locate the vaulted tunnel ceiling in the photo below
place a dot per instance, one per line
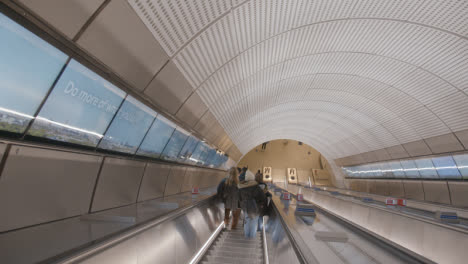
(346, 77)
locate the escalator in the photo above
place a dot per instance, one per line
(232, 247)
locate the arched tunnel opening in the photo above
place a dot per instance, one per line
(276, 158)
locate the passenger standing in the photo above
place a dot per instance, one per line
(252, 199)
(231, 198)
(266, 206)
(256, 174)
(242, 174)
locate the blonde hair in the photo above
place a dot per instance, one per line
(232, 177)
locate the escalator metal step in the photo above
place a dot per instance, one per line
(226, 252)
(232, 247)
(236, 260)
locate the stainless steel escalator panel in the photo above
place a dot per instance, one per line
(357, 248)
(173, 241)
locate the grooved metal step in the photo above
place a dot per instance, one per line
(237, 260)
(232, 247)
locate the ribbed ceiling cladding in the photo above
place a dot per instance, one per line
(372, 73)
(173, 23)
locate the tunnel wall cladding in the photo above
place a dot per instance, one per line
(453, 193)
(40, 185)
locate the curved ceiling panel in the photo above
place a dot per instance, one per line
(344, 76)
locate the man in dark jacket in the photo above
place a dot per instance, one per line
(252, 199)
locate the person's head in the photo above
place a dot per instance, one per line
(244, 169)
(258, 171)
(232, 177)
(239, 170)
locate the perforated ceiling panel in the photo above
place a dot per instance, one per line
(345, 76)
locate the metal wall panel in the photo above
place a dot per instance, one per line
(372, 187)
(417, 148)
(175, 180)
(381, 154)
(169, 88)
(211, 179)
(463, 137)
(397, 152)
(118, 183)
(278, 175)
(444, 143)
(192, 110)
(436, 192)
(382, 187)
(353, 185)
(303, 176)
(396, 189)
(187, 185)
(66, 16)
(40, 185)
(154, 181)
(119, 39)
(197, 177)
(413, 190)
(201, 178)
(459, 193)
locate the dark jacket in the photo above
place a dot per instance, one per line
(242, 176)
(220, 190)
(267, 206)
(252, 198)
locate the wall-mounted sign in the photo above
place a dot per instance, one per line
(292, 175)
(267, 174)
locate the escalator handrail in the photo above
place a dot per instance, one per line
(265, 246)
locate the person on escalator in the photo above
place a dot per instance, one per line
(242, 174)
(265, 210)
(252, 199)
(230, 197)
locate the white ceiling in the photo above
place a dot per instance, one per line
(344, 76)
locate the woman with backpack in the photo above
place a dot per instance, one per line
(230, 194)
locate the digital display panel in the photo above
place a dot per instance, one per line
(446, 168)
(426, 169)
(397, 170)
(462, 164)
(410, 169)
(386, 170)
(128, 127)
(28, 68)
(210, 158)
(175, 144)
(347, 171)
(188, 148)
(376, 169)
(200, 153)
(157, 138)
(79, 109)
